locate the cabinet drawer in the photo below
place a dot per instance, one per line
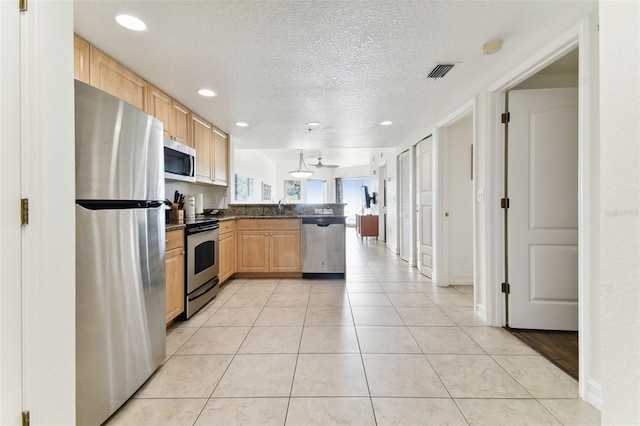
(174, 239)
(268, 224)
(227, 226)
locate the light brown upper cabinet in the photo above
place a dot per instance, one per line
(220, 157)
(180, 131)
(181, 125)
(202, 142)
(160, 108)
(80, 59)
(174, 116)
(113, 78)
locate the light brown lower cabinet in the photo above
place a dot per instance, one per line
(227, 250)
(174, 274)
(268, 245)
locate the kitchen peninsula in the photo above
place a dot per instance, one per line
(268, 240)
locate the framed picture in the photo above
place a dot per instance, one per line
(266, 192)
(292, 190)
(241, 188)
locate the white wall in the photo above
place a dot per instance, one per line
(213, 196)
(379, 157)
(460, 201)
(620, 214)
(251, 163)
(549, 81)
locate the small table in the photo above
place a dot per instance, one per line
(367, 226)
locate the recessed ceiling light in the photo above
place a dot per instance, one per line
(131, 22)
(386, 123)
(313, 124)
(242, 124)
(207, 92)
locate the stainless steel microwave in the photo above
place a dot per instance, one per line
(179, 161)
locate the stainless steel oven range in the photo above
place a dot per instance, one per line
(202, 283)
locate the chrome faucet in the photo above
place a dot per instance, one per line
(280, 208)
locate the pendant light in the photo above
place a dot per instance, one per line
(301, 173)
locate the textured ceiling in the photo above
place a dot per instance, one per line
(346, 64)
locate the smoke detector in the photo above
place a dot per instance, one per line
(492, 47)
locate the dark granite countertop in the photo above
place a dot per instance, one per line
(223, 218)
(270, 211)
(174, 226)
(229, 217)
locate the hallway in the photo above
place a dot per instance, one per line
(383, 347)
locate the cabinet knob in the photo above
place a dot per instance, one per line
(166, 241)
(266, 233)
(182, 254)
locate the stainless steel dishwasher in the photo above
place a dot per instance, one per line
(323, 247)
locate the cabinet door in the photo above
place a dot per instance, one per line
(202, 144)
(220, 157)
(284, 251)
(227, 255)
(181, 117)
(161, 108)
(253, 251)
(80, 59)
(174, 267)
(113, 78)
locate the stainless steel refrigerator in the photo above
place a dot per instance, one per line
(120, 247)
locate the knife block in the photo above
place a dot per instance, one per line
(176, 215)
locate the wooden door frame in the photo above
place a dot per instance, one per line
(583, 36)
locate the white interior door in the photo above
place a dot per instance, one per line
(11, 385)
(424, 201)
(542, 220)
(405, 206)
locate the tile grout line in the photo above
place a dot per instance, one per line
(295, 367)
(364, 369)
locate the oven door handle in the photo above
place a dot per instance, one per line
(202, 228)
(204, 289)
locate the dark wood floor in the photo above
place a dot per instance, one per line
(559, 347)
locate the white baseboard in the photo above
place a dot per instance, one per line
(392, 247)
(592, 393)
(481, 312)
(461, 279)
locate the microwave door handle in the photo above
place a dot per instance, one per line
(192, 159)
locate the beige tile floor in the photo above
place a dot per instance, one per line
(383, 347)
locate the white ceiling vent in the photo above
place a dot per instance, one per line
(440, 70)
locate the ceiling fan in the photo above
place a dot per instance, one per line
(320, 165)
